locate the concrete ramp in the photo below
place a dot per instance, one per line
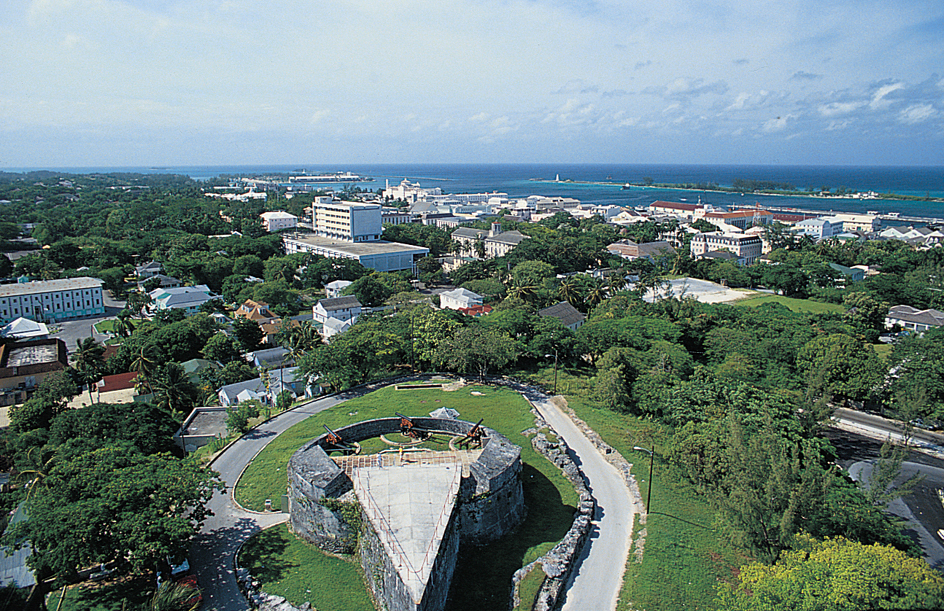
(409, 508)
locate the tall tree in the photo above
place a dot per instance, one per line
(835, 575)
(112, 504)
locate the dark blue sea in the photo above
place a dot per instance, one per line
(602, 184)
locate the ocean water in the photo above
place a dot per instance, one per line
(602, 184)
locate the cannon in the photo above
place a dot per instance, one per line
(474, 436)
(335, 440)
(409, 429)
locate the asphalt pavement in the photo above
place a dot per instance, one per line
(213, 554)
(923, 509)
(595, 583)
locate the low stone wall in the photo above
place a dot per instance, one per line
(558, 563)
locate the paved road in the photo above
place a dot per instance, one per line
(922, 509)
(213, 552)
(880, 428)
(596, 582)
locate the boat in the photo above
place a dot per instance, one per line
(627, 187)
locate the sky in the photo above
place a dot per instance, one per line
(225, 82)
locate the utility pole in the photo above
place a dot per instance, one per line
(649, 492)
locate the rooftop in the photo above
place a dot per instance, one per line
(564, 312)
(356, 249)
(43, 286)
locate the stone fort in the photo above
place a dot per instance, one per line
(405, 512)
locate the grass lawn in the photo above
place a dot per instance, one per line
(684, 558)
(300, 571)
(124, 594)
(105, 326)
(884, 351)
(483, 575)
(797, 305)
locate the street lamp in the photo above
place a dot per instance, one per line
(651, 458)
(555, 368)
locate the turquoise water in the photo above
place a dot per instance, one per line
(522, 180)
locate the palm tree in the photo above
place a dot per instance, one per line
(89, 361)
(171, 596)
(144, 365)
(567, 290)
(37, 468)
(124, 326)
(596, 294)
(172, 389)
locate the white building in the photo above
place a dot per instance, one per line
(913, 319)
(409, 191)
(818, 228)
(340, 308)
(458, 299)
(351, 230)
(45, 300)
(278, 220)
(186, 298)
(348, 221)
(334, 289)
(858, 222)
(395, 216)
(747, 248)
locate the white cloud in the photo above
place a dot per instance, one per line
(878, 99)
(917, 113)
(473, 68)
(776, 125)
(838, 108)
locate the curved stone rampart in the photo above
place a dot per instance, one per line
(490, 501)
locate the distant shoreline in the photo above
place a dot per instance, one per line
(732, 191)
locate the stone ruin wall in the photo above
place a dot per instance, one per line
(490, 504)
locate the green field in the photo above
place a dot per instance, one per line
(797, 305)
(483, 575)
(299, 571)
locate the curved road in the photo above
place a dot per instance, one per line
(212, 554)
(595, 583)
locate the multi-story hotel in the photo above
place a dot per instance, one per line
(747, 248)
(351, 230)
(348, 221)
(51, 300)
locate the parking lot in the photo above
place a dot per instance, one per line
(74, 331)
(700, 290)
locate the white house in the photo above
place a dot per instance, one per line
(341, 308)
(913, 319)
(186, 298)
(289, 378)
(333, 326)
(278, 220)
(334, 289)
(458, 299)
(818, 228)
